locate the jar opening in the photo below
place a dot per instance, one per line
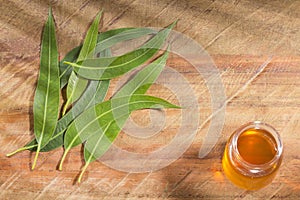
(256, 147)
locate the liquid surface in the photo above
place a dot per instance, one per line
(256, 146)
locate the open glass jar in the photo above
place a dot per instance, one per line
(253, 155)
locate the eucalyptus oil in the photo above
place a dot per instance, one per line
(252, 156)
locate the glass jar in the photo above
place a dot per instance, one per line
(253, 155)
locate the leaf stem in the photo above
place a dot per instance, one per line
(66, 107)
(61, 75)
(63, 159)
(36, 155)
(82, 171)
(21, 149)
(67, 63)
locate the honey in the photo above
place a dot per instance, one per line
(256, 146)
(252, 156)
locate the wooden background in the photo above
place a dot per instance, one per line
(240, 35)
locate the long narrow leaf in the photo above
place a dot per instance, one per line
(98, 144)
(77, 85)
(84, 102)
(95, 118)
(46, 99)
(140, 83)
(108, 68)
(66, 70)
(95, 93)
(105, 40)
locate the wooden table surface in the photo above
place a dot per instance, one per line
(239, 35)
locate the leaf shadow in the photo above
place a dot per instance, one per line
(182, 188)
(64, 98)
(31, 123)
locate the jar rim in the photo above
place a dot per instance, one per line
(257, 168)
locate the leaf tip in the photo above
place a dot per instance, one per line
(178, 107)
(98, 16)
(171, 26)
(50, 11)
(100, 12)
(174, 106)
(168, 50)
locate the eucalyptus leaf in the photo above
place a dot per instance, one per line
(98, 144)
(66, 70)
(82, 104)
(77, 85)
(95, 118)
(142, 80)
(94, 93)
(110, 33)
(108, 68)
(105, 40)
(108, 38)
(46, 99)
(87, 70)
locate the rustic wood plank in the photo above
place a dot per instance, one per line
(231, 27)
(240, 36)
(189, 177)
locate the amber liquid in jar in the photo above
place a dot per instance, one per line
(252, 156)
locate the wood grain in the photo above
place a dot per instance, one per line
(239, 35)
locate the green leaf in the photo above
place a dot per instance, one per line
(105, 40)
(110, 33)
(57, 139)
(108, 68)
(46, 99)
(95, 119)
(66, 70)
(108, 38)
(140, 83)
(95, 93)
(90, 40)
(77, 85)
(92, 95)
(97, 144)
